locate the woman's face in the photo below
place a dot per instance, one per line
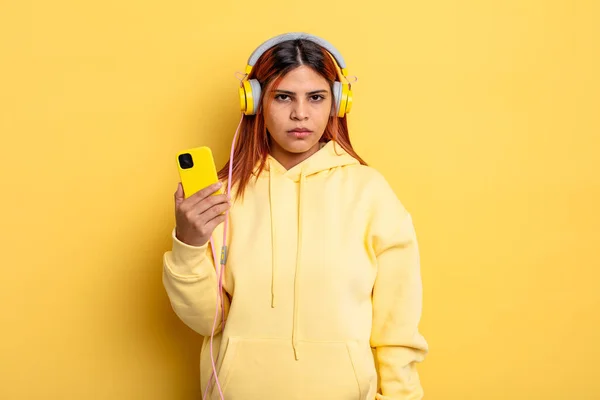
(296, 115)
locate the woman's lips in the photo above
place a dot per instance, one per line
(300, 133)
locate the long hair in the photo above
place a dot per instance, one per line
(252, 146)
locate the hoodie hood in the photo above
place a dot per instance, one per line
(331, 155)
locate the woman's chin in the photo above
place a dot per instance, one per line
(300, 146)
(292, 145)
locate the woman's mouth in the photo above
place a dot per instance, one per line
(300, 133)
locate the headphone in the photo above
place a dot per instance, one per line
(250, 89)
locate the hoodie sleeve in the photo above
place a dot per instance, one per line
(397, 300)
(190, 279)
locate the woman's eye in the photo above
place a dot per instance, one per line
(285, 97)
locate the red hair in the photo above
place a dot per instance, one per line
(252, 147)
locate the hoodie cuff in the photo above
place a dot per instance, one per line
(186, 258)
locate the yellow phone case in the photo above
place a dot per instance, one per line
(197, 170)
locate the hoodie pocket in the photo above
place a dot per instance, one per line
(364, 367)
(267, 369)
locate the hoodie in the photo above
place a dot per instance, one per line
(322, 291)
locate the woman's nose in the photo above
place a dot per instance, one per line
(299, 110)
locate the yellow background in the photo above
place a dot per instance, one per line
(483, 115)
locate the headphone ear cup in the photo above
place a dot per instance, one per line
(337, 97)
(349, 101)
(345, 101)
(256, 92)
(343, 98)
(242, 94)
(250, 96)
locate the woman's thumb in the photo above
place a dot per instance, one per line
(179, 195)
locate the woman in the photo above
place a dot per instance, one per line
(321, 294)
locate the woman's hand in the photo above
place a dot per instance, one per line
(197, 216)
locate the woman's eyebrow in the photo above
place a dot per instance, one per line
(320, 91)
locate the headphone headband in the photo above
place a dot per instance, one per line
(295, 36)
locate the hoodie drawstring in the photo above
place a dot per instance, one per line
(273, 247)
(298, 262)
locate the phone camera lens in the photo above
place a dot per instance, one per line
(185, 161)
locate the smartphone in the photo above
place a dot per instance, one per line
(197, 170)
